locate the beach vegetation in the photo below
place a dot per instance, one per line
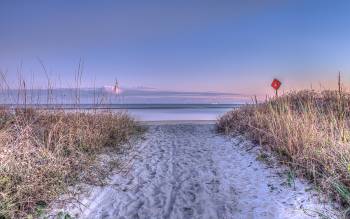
(45, 152)
(308, 130)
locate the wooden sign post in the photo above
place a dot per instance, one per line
(276, 84)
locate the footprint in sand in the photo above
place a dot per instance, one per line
(189, 171)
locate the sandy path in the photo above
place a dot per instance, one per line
(189, 171)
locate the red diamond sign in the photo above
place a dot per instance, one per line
(276, 84)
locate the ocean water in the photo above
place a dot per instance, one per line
(147, 112)
(156, 112)
(128, 96)
(144, 105)
(171, 114)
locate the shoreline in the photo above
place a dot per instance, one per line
(176, 122)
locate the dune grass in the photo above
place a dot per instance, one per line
(42, 153)
(308, 130)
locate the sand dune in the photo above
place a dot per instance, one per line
(190, 171)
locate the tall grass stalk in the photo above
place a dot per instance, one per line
(44, 152)
(308, 130)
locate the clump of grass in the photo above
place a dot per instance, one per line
(42, 153)
(308, 130)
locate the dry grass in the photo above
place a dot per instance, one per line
(43, 153)
(309, 131)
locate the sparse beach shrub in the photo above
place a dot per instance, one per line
(308, 130)
(42, 153)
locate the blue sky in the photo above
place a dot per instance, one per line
(225, 46)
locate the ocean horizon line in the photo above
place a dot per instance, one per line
(125, 106)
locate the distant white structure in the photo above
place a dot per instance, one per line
(114, 89)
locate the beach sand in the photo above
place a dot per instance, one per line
(187, 170)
